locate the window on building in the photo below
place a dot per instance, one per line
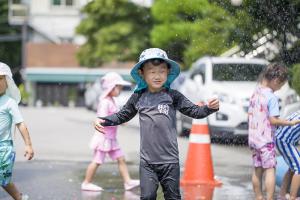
(69, 2)
(56, 2)
(16, 1)
(62, 2)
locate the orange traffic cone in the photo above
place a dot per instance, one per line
(198, 192)
(198, 165)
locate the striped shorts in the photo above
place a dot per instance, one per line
(290, 155)
(7, 158)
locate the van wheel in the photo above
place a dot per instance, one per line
(185, 133)
(216, 140)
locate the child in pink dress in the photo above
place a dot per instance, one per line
(107, 143)
(263, 117)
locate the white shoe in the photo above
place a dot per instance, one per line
(131, 184)
(91, 187)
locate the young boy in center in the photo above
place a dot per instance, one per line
(156, 104)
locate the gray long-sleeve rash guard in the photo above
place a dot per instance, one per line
(157, 118)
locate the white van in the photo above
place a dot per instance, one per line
(233, 80)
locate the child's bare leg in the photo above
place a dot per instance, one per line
(256, 182)
(12, 190)
(90, 172)
(123, 169)
(270, 183)
(295, 186)
(286, 183)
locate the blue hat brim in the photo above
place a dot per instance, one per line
(140, 82)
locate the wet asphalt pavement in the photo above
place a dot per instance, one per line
(60, 139)
(60, 180)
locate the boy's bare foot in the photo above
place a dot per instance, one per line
(259, 198)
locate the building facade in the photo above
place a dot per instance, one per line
(52, 73)
(55, 21)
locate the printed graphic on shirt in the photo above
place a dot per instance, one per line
(163, 108)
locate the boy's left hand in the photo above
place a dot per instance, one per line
(213, 103)
(28, 152)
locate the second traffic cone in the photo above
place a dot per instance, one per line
(198, 166)
(197, 192)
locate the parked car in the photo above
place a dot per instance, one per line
(93, 92)
(233, 80)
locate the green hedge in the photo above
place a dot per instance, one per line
(296, 77)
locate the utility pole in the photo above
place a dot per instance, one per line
(24, 41)
(18, 15)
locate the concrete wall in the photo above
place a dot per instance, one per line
(57, 21)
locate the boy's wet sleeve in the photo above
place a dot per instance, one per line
(127, 112)
(188, 108)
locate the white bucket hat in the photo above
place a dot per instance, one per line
(154, 53)
(109, 81)
(11, 90)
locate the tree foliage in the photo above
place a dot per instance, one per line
(10, 51)
(115, 30)
(296, 78)
(281, 16)
(191, 29)
(119, 30)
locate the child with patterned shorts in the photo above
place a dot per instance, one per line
(263, 117)
(9, 117)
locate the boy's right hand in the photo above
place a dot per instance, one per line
(98, 126)
(213, 103)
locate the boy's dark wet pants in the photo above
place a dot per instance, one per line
(165, 174)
